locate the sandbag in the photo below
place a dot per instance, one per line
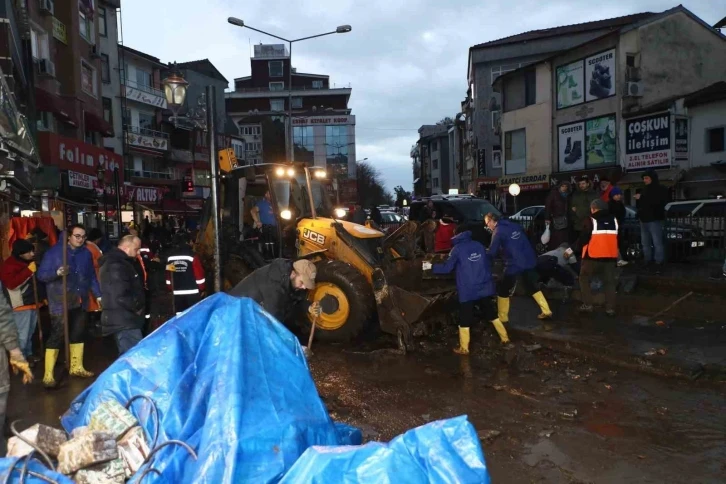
(230, 381)
(443, 452)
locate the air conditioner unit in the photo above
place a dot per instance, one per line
(45, 68)
(634, 89)
(632, 74)
(47, 7)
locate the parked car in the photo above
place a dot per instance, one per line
(708, 215)
(391, 221)
(681, 240)
(527, 214)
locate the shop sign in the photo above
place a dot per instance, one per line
(525, 182)
(648, 142)
(59, 31)
(81, 180)
(144, 141)
(156, 100)
(481, 165)
(600, 76)
(681, 137)
(75, 155)
(324, 120)
(144, 194)
(613, 174)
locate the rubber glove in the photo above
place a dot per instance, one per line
(315, 309)
(18, 363)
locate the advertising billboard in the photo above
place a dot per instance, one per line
(600, 76)
(570, 84)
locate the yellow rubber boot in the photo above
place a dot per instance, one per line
(501, 330)
(503, 309)
(542, 302)
(464, 337)
(77, 362)
(51, 356)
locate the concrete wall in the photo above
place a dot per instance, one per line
(537, 121)
(112, 90)
(678, 55)
(702, 118)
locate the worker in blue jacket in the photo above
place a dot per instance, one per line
(474, 284)
(80, 281)
(519, 259)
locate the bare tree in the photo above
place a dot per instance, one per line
(370, 186)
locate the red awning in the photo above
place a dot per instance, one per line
(45, 101)
(97, 124)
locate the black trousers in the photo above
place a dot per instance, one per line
(487, 310)
(77, 320)
(530, 279)
(182, 302)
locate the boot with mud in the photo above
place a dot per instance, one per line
(501, 331)
(503, 309)
(49, 381)
(543, 305)
(464, 337)
(77, 368)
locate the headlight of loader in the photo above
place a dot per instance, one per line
(339, 212)
(286, 215)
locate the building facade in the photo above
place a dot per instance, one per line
(111, 69)
(435, 159)
(322, 125)
(490, 60)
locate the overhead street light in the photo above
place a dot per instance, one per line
(341, 29)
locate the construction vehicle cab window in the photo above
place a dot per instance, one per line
(364, 278)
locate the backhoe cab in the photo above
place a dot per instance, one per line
(362, 275)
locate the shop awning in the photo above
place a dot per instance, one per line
(667, 177)
(97, 124)
(45, 101)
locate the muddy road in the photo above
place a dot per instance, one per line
(542, 416)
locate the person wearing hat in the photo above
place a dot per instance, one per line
(580, 206)
(42, 244)
(599, 245)
(16, 275)
(280, 287)
(616, 207)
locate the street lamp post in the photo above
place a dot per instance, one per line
(514, 190)
(204, 118)
(341, 29)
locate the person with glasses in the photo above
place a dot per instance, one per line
(80, 281)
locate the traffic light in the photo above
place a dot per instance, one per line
(188, 184)
(227, 160)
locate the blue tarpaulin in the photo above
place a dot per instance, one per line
(33, 466)
(232, 382)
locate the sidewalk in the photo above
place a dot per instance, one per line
(688, 276)
(689, 347)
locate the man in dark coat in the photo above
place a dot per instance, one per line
(557, 214)
(123, 294)
(580, 205)
(651, 202)
(280, 286)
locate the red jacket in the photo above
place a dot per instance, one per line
(17, 283)
(444, 234)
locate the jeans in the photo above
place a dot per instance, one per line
(3, 409)
(651, 237)
(26, 321)
(605, 268)
(127, 339)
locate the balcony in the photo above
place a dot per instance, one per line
(146, 138)
(144, 94)
(151, 175)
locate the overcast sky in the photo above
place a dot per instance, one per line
(405, 59)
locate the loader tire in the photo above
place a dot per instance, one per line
(347, 302)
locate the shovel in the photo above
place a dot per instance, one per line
(308, 350)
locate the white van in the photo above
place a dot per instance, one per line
(708, 215)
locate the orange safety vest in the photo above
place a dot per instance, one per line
(604, 240)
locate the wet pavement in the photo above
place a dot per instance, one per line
(543, 416)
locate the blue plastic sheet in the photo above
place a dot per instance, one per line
(228, 380)
(233, 383)
(10, 462)
(447, 451)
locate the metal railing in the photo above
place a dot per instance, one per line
(685, 237)
(142, 87)
(145, 131)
